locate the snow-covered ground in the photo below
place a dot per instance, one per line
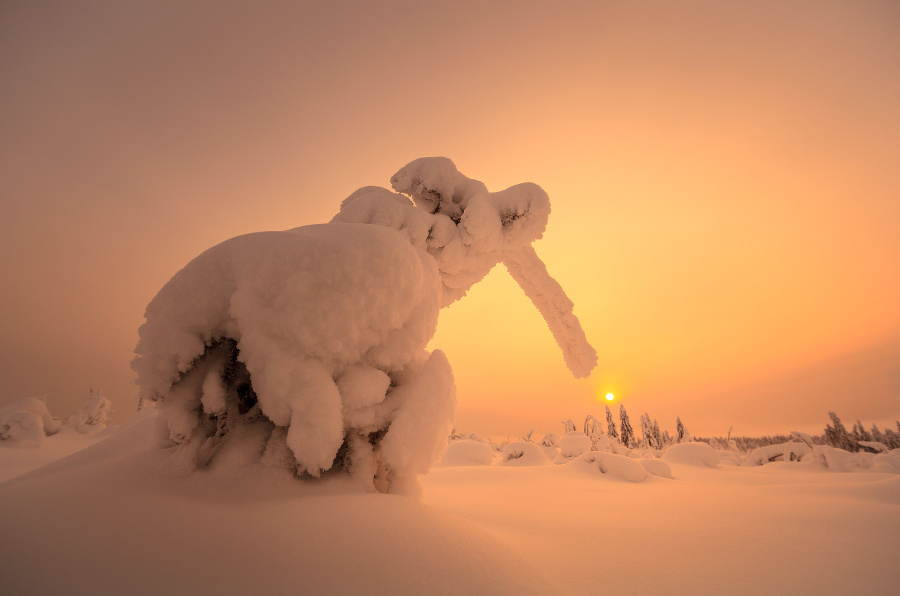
(116, 518)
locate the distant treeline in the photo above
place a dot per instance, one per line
(835, 434)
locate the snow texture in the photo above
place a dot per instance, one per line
(316, 336)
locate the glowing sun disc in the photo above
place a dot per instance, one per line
(609, 396)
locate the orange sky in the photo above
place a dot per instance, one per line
(726, 212)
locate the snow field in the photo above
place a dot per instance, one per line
(116, 518)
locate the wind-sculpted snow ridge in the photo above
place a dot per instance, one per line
(313, 340)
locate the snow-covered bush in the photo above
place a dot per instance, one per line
(27, 421)
(790, 451)
(93, 416)
(521, 453)
(573, 444)
(316, 337)
(550, 440)
(617, 466)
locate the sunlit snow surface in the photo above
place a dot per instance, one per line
(114, 518)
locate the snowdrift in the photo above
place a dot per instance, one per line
(113, 519)
(467, 452)
(117, 518)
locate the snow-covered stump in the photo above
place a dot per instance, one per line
(307, 348)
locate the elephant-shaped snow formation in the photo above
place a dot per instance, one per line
(307, 347)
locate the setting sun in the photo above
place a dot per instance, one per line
(609, 396)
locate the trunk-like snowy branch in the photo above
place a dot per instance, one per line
(526, 267)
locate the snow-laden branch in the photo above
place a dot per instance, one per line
(549, 298)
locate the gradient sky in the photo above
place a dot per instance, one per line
(723, 177)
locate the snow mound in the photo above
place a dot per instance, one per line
(26, 422)
(839, 460)
(139, 530)
(695, 454)
(657, 467)
(466, 452)
(522, 453)
(613, 466)
(573, 444)
(790, 451)
(888, 462)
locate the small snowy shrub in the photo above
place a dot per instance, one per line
(26, 422)
(315, 338)
(521, 453)
(550, 440)
(93, 416)
(790, 451)
(573, 444)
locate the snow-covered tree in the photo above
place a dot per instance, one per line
(679, 430)
(836, 434)
(667, 438)
(860, 433)
(569, 426)
(317, 336)
(657, 436)
(647, 431)
(611, 425)
(628, 438)
(593, 430)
